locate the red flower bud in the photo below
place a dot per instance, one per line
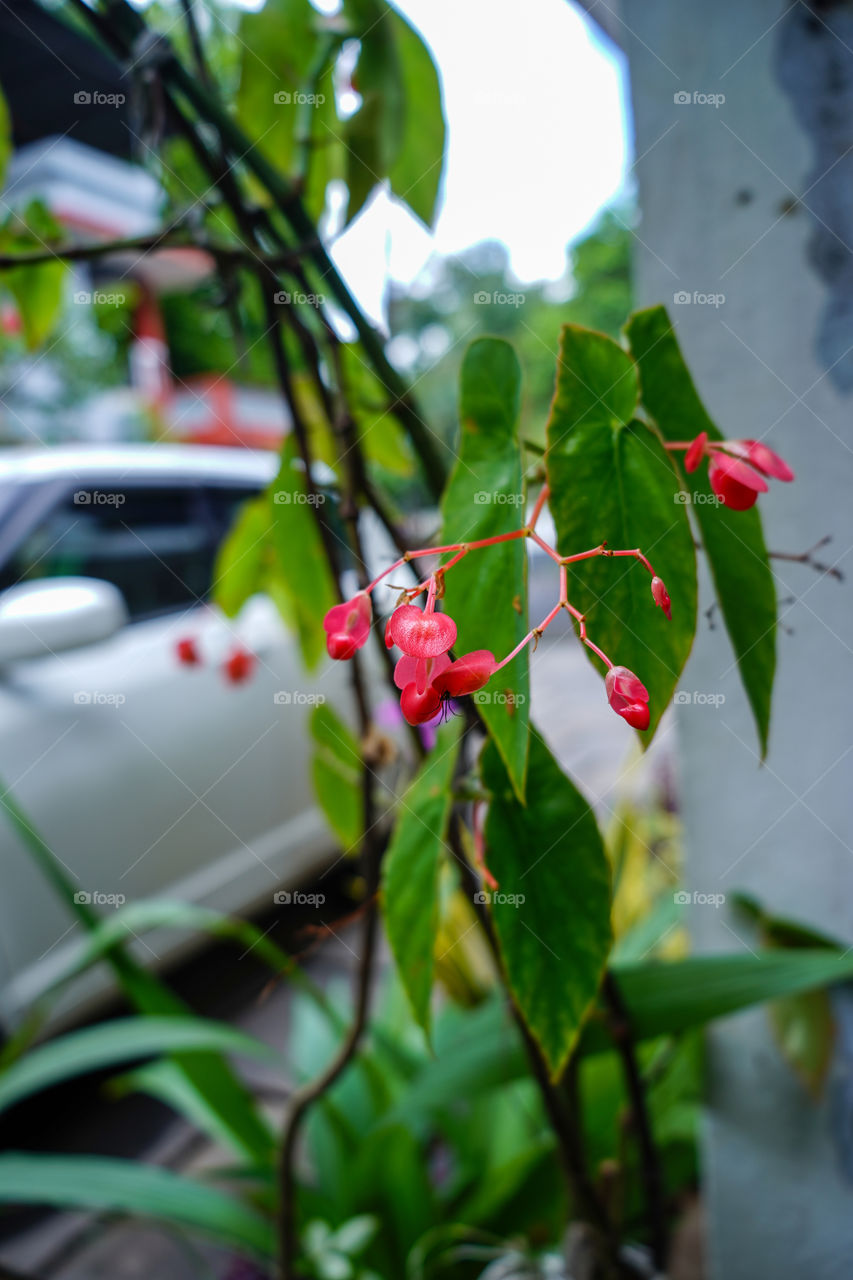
(661, 596)
(419, 634)
(187, 652)
(696, 452)
(628, 696)
(762, 457)
(239, 666)
(418, 708)
(735, 482)
(467, 674)
(347, 626)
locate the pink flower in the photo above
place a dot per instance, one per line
(419, 671)
(628, 696)
(661, 596)
(417, 707)
(467, 674)
(347, 626)
(735, 482)
(696, 452)
(420, 634)
(762, 457)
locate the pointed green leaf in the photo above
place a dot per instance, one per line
(552, 909)
(596, 384)
(410, 871)
(486, 593)
(119, 1186)
(336, 769)
(733, 540)
(616, 484)
(416, 173)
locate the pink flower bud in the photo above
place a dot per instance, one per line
(239, 666)
(696, 452)
(660, 596)
(762, 457)
(467, 674)
(347, 626)
(419, 671)
(419, 634)
(628, 696)
(418, 708)
(187, 652)
(735, 482)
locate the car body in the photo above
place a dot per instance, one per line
(146, 776)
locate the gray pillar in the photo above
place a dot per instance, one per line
(724, 203)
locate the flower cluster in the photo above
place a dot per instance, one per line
(426, 674)
(736, 468)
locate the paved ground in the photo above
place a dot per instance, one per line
(593, 745)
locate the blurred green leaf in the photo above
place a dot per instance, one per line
(244, 560)
(552, 910)
(410, 871)
(415, 175)
(733, 540)
(612, 481)
(336, 768)
(486, 593)
(119, 1041)
(119, 1186)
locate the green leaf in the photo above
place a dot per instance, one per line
(410, 871)
(486, 593)
(119, 1041)
(37, 290)
(248, 1133)
(118, 1186)
(416, 173)
(374, 133)
(552, 910)
(733, 540)
(666, 998)
(596, 384)
(336, 769)
(301, 560)
(616, 484)
(5, 138)
(243, 560)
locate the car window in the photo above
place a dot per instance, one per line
(157, 544)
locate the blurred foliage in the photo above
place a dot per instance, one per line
(459, 298)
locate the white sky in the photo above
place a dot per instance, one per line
(536, 104)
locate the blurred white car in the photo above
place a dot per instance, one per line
(145, 776)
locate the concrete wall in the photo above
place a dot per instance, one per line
(726, 210)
